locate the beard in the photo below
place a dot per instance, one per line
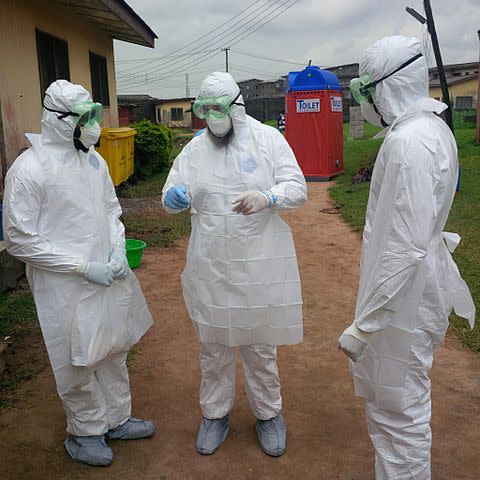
(220, 141)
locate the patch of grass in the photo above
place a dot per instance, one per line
(272, 122)
(17, 313)
(175, 152)
(464, 119)
(184, 130)
(18, 319)
(161, 231)
(150, 187)
(10, 381)
(353, 198)
(131, 354)
(464, 218)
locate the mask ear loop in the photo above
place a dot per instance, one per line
(76, 139)
(372, 103)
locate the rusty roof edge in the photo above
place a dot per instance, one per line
(126, 13)
(453, 80)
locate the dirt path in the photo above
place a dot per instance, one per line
(327, 438)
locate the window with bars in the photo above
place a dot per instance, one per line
(99, 77)
(53, 62)
(177, 114)
(464, 103)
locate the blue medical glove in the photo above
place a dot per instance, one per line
(177, 198)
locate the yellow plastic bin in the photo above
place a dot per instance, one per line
(116, 147)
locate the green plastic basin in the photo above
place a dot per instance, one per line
(135, 250)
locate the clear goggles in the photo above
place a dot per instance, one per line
(84, 113)
(363, 86)
(218, 107)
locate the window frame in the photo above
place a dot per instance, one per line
(177, 109)
(100, 86)
(61, 72)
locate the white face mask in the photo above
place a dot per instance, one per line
(370, 115)
(219, 126)
(89, 134)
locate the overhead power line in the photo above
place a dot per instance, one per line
(234, 17)
(215, 41)
(150, 59)
(263, 57)
(286, 5)
(256, 71)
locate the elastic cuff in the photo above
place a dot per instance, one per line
(354, 331)
(270, 198)
(82, 268)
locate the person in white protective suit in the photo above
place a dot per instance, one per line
(409, 282)
(241, 283)
(61, 217)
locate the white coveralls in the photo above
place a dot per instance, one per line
(241, 283)
(409, 281)
(60, 209)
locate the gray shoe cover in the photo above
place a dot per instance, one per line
(91, 450)
(132, 429)
(212, 434)
(272, 435)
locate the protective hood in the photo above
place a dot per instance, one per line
(218, 84)
(405, 92)
(62, 96)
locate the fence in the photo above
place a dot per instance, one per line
(269, 108)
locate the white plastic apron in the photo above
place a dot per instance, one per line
(122, 321)
(241, 283)
(380, 374)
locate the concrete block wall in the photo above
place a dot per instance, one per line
(356, 123)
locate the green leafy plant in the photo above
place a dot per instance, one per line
(153, 144)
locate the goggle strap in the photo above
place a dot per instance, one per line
(364, 88)
(233, 102)
(238, 94)
(63, 114)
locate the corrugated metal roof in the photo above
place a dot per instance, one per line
(180, 99)
(114, 17)
(456, 66)
(454, 80)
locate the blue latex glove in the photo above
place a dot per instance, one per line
(177, 198)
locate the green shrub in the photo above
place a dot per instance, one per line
(153, 144)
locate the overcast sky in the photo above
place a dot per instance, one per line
(309, 29)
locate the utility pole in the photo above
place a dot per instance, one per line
(438, 56)
(478, 103)
(187, 86)
(226, 49)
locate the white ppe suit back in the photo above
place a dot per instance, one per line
(409, 282)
